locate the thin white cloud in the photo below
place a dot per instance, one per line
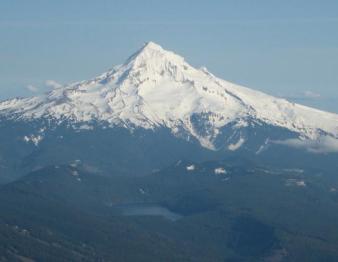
(304, 95)
(311, 94)
(324, 144)
(47, 85)
(32, 88)
(52, 84)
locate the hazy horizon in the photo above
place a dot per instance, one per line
(284, 49)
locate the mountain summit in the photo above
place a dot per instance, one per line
(156, 88)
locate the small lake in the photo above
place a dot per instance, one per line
(143, 209)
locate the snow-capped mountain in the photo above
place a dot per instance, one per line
(156, 88)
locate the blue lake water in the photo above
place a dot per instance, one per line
(143, 209)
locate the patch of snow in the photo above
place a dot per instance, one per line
(220, 170)
(300, 183)
(35, 139)
(263, 147)
(295, 182)
(191, 168)
(86, 127)
(241, 123)
(237, 145)
(75, 163)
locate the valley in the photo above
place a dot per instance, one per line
(246, 213)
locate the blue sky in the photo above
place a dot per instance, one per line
(285, 48)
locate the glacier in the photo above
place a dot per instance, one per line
(157, 88)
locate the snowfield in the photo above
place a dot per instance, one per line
(157, 88)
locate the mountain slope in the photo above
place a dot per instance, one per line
(157, 88)
(65, 213)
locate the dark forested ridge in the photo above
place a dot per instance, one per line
(229, 210)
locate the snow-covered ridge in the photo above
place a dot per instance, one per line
(155, 88)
